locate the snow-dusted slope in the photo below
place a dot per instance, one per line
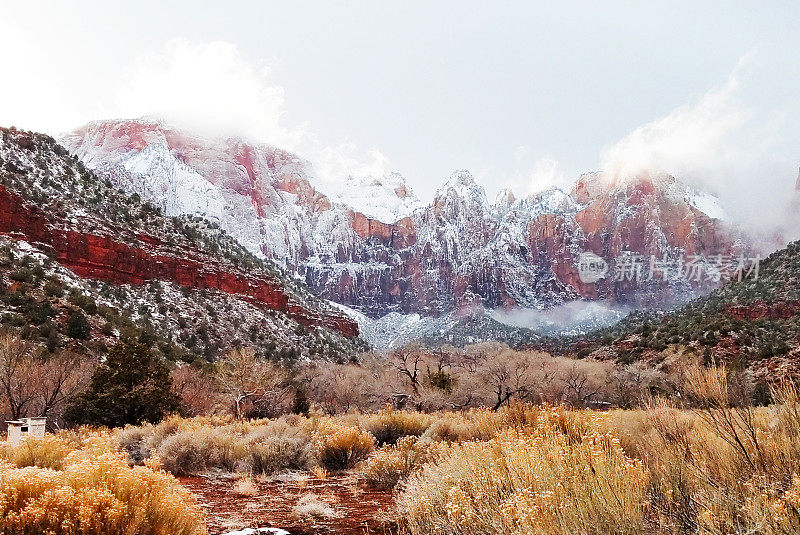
(386, 199)
(195, 285)
(253, 192)
(706, 203)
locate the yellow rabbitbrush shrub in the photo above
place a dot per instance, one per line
(341, 447)
(389, 425)
(94, 491)
(544, 479)
(49, 451)
(391, 464)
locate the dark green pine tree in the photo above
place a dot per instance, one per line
(132, 386)
(78, 326)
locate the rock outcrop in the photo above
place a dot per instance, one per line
(762, 309)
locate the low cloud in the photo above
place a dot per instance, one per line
(334, 163)
(688, 140)
(210, 88)
(575, 317)
(544, 173)
(36, 92)
(213, 89)
(719, 145)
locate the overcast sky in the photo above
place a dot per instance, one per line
(523, 94)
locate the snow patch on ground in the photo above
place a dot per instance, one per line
(396, 329)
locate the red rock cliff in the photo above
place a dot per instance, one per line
(104, 258)
(762, 309)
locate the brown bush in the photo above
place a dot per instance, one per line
(278, 453)
(196, 451)
(391, 464)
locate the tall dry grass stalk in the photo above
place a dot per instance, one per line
(562, 473)
(725, 467)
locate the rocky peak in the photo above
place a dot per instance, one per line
(260, 194)
(387, 199)
(460, 194)
(104, 142)
(550, 201)
(503, 201)
(589, 186)
(463, 184)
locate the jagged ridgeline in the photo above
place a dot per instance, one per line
(754, 322)
(81, 262)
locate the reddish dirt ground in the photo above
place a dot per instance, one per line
(360, 509)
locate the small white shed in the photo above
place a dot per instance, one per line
(18, 430)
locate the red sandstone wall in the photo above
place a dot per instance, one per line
(400, 234)
(101, 257)
(761, 309)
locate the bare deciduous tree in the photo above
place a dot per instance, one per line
(244, 378)
(408, 360)
(578, 391)
(508, 374)
(196, 389)
(58, 379)
(15, 364)
(33, 383)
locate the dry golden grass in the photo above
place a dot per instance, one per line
(83, 485)
(561, 473)
(719, 467)
(723, 468)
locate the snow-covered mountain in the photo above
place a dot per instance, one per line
(373, 246)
